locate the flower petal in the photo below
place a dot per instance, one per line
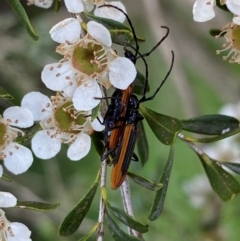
(203, 10)
(100, 33)
(7, 200)
(20, 231)
(44, 145)
(19, 116)
(122, 72)
(74, 6)
(43, 3)
(39, 104)
(96, 125)
(236, 20)
(57, 76)
(66, 30)
(112, 13)
(88, 6)
(83, 98)
(233, 6)
(70, 88)
(18, 158)
(80, 147)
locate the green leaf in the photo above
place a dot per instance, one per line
(89, 234)
(213, 138)
(120, 33)
(23, 17)
(36, 206)
(121, 37)
(164, 127)
(73, 220)
(159, 199)
(144, 182)
(4, 104)
(235, 167)
(215, 32)
(142, 144)
(139, 84)
(6, 178)
(97, 139)
(127, 219)
(222, 6)
(225, 185)
(211, 124)
(95, 111)
(57, 6)
(29, 133)
(117, 233)
(4, 94)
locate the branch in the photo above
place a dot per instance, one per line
(102, 205)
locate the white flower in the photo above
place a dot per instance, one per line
(111, 13)
(61, 123)
(78, 6)
(231, 110)
(66, 30)
(74, 6)
(7, 200)
(41, 3)
(86, 61)
(198, 190)
(13, 231)
(203, 10)
(233, 6)
(17, 158)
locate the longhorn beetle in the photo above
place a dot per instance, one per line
(122, 117)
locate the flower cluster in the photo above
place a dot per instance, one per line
(203, 10)
(88, 62)
(78, 6)
(11, 231)
(16, 157)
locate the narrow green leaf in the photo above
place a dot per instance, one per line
(120, 33)
(127, 219)
(95, 111)
(97, 139)
(117, 233)
(4, 94)
(159, 199)
(121, 36)
(36, 206)
(29, 133)
(213, 138)
(164, 127)
(6, 178)
(57, 5)
(73, 220)
(144, 182)
(235, 167)
(139, 83)
(108, 23)
(23, 17)
(225, 185)
(4, 104)
(89, 234)
(142, 144)
(211, 124)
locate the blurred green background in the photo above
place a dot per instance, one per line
(200, 84)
